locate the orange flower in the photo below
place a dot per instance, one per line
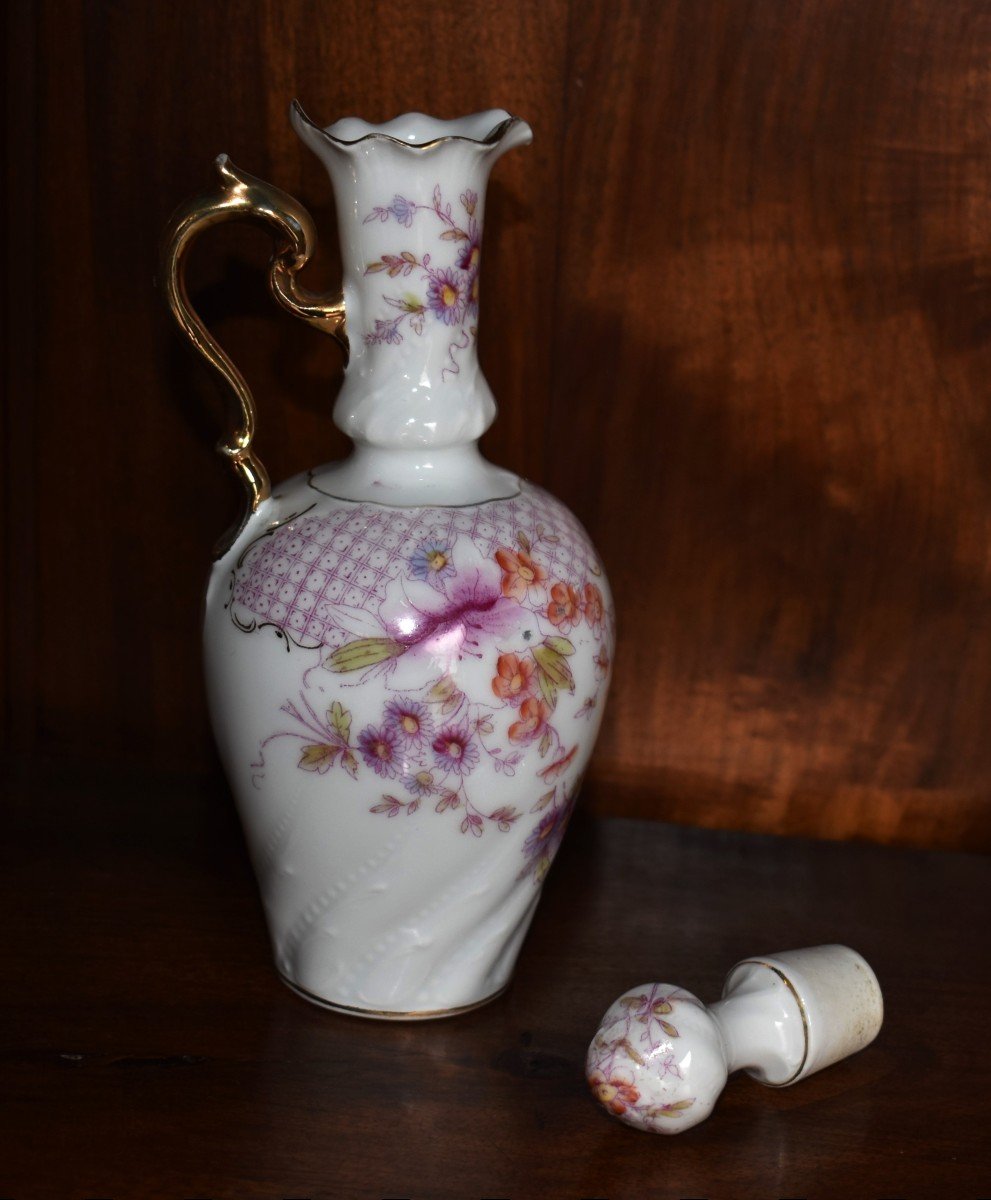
(522, 577)
(565, 608)
(616, 1093)
(593, 606)
(515, 679)
(533, 716)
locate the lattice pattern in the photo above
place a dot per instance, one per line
(349, 553)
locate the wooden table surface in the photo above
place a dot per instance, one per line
(150, 1051)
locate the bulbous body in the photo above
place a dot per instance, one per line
(405, 700)
(408, 651)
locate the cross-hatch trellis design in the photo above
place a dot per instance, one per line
(296, 578)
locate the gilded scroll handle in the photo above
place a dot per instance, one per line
(242, 195)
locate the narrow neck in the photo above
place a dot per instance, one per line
(761, 1024)
(411, 232)
(422, 476)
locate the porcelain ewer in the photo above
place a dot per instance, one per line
(407, 652)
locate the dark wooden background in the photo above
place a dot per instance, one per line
(737, 310)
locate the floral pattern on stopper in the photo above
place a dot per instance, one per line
(513, 604)
(641, 1031)
(447, 291)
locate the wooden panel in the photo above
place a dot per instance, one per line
(782, 265)
(737, 303)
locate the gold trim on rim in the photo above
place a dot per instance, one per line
(384, 504)
(806, 1028)
(492, 138)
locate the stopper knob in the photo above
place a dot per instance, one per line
(661, 1057)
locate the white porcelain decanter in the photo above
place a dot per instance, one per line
(407, 652)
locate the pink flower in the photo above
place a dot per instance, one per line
(543, 842)
(455, 751)
(427, 629)
(410, 721)
(446, 296)
(420, 784)
(471, 303)
(449, 618)
(378, 749)
(471, 255)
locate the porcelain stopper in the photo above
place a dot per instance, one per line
(661, 1057)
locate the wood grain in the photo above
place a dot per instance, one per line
(737, 311)
(148, 1048)
(795, 370)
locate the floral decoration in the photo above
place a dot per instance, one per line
(447, 292)
(449, 603)
(642, 1033)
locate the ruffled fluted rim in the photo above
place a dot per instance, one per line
(493, 127)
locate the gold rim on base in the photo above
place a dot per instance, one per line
(381, 1014)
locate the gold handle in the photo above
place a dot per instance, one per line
(241, 195)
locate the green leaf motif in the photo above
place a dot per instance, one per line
(627, 1048)
(366, 652)
(548, 690)
(319, 758)
(449, 696)
(561, 645)
(389, 805)
(544, 800)
(552, 666)
(670, 1110)
(669, 1029)
(340, 720)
